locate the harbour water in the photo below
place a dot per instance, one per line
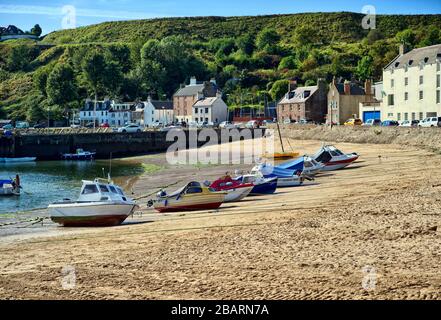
(49, 181)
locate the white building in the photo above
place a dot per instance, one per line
(211, 109)
(153, 111)
(121, 113)
(412, 85)
(89, 114)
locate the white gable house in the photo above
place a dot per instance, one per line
(211, 109)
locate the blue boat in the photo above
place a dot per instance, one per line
(80, 155)
(285, 177)
(261, 185)
(296, 164)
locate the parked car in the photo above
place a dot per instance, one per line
(390, 123)
(130, 128)
(372, 123)
(409, 123)
(353, 122)
(74, 126)
(430, 122)
(306, 121)
(170, 128)
(226, 125)
(208, 124)
(104, 125)
(253, 124)
(267, 122)
(157, 124)
(22, 125)
(287, 121)
(8, 127)
(89, 125)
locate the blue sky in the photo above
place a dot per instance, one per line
(26, 13)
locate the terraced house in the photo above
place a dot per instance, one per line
(412, 85)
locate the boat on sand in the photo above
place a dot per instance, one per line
(192, 197)
(334, 159)
(101, 203)
(236, 190)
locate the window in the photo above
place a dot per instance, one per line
(206, 110)
(103, 188)
(194, 190)
(399, 116)
(406, 81)
(421, 116)
(112, 189)
(406, 96)
(413, 116)
(438, 97)
(390, 115)
(196, 110)
(90, 189)
(406, 116)
(392, 83)
(390, 100)
(421, 79)
(120, 191)
(438, 81)
(438, 66)
(421, 95)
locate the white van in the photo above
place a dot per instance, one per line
(430, 122)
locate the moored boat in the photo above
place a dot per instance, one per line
(80, 155)
(10, 187)
(262, 185)
(334, 159)
(101, 203)
(192, 197)
(285, 178)
(17, 160)
(236, 190)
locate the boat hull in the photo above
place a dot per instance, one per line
(88, 215)
(238, 194)
(9, 192)
(264, 188)
(337, 165)
(289, 182)
(190, 202)
(17, 160)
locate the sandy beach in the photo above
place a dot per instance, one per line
(371, 231)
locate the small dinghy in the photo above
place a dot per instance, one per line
(236, 190)
(80, 155)
(10, 187)
(101, 203)
(193, 197)
(285, 178)
(261, 184)
(334, 159)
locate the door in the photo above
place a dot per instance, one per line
(367, 115)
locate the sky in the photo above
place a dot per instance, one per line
(58, 14)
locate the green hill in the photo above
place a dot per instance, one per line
(250, 57)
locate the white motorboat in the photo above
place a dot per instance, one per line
(312, 167)
(285, 178)
(101, 203)
(334, 159)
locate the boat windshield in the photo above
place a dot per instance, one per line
(90, 189)
(120, 191)
(194, 190)
(113, 190)
(104, 188)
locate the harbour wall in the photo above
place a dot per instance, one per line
(51, 146)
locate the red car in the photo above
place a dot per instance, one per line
(105, 125)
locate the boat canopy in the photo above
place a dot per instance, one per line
(296, 164)
(271, 171)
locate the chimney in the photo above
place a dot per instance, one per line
(347, 88)
(368, 87)
(193, 81)
(403, 49)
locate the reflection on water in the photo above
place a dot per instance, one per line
(49, 181)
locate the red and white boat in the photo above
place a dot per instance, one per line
(334, 159)
(236, 190)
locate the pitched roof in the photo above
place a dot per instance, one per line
(100, 106)
(167, 105)
(356, 90)
(299, 95)
(427, 55)
(207, 102)
(190, 90)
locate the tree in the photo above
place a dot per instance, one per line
(61, 86)
(40, 79)
(267, 38)
(374, 35)
(406, 37)
(289, 62)
(432, 37)
(279, 89)
(246, 43)
(305, 36)
(20, 57)
(36, 30)
(365, 68)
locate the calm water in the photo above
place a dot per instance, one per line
(46, 182)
